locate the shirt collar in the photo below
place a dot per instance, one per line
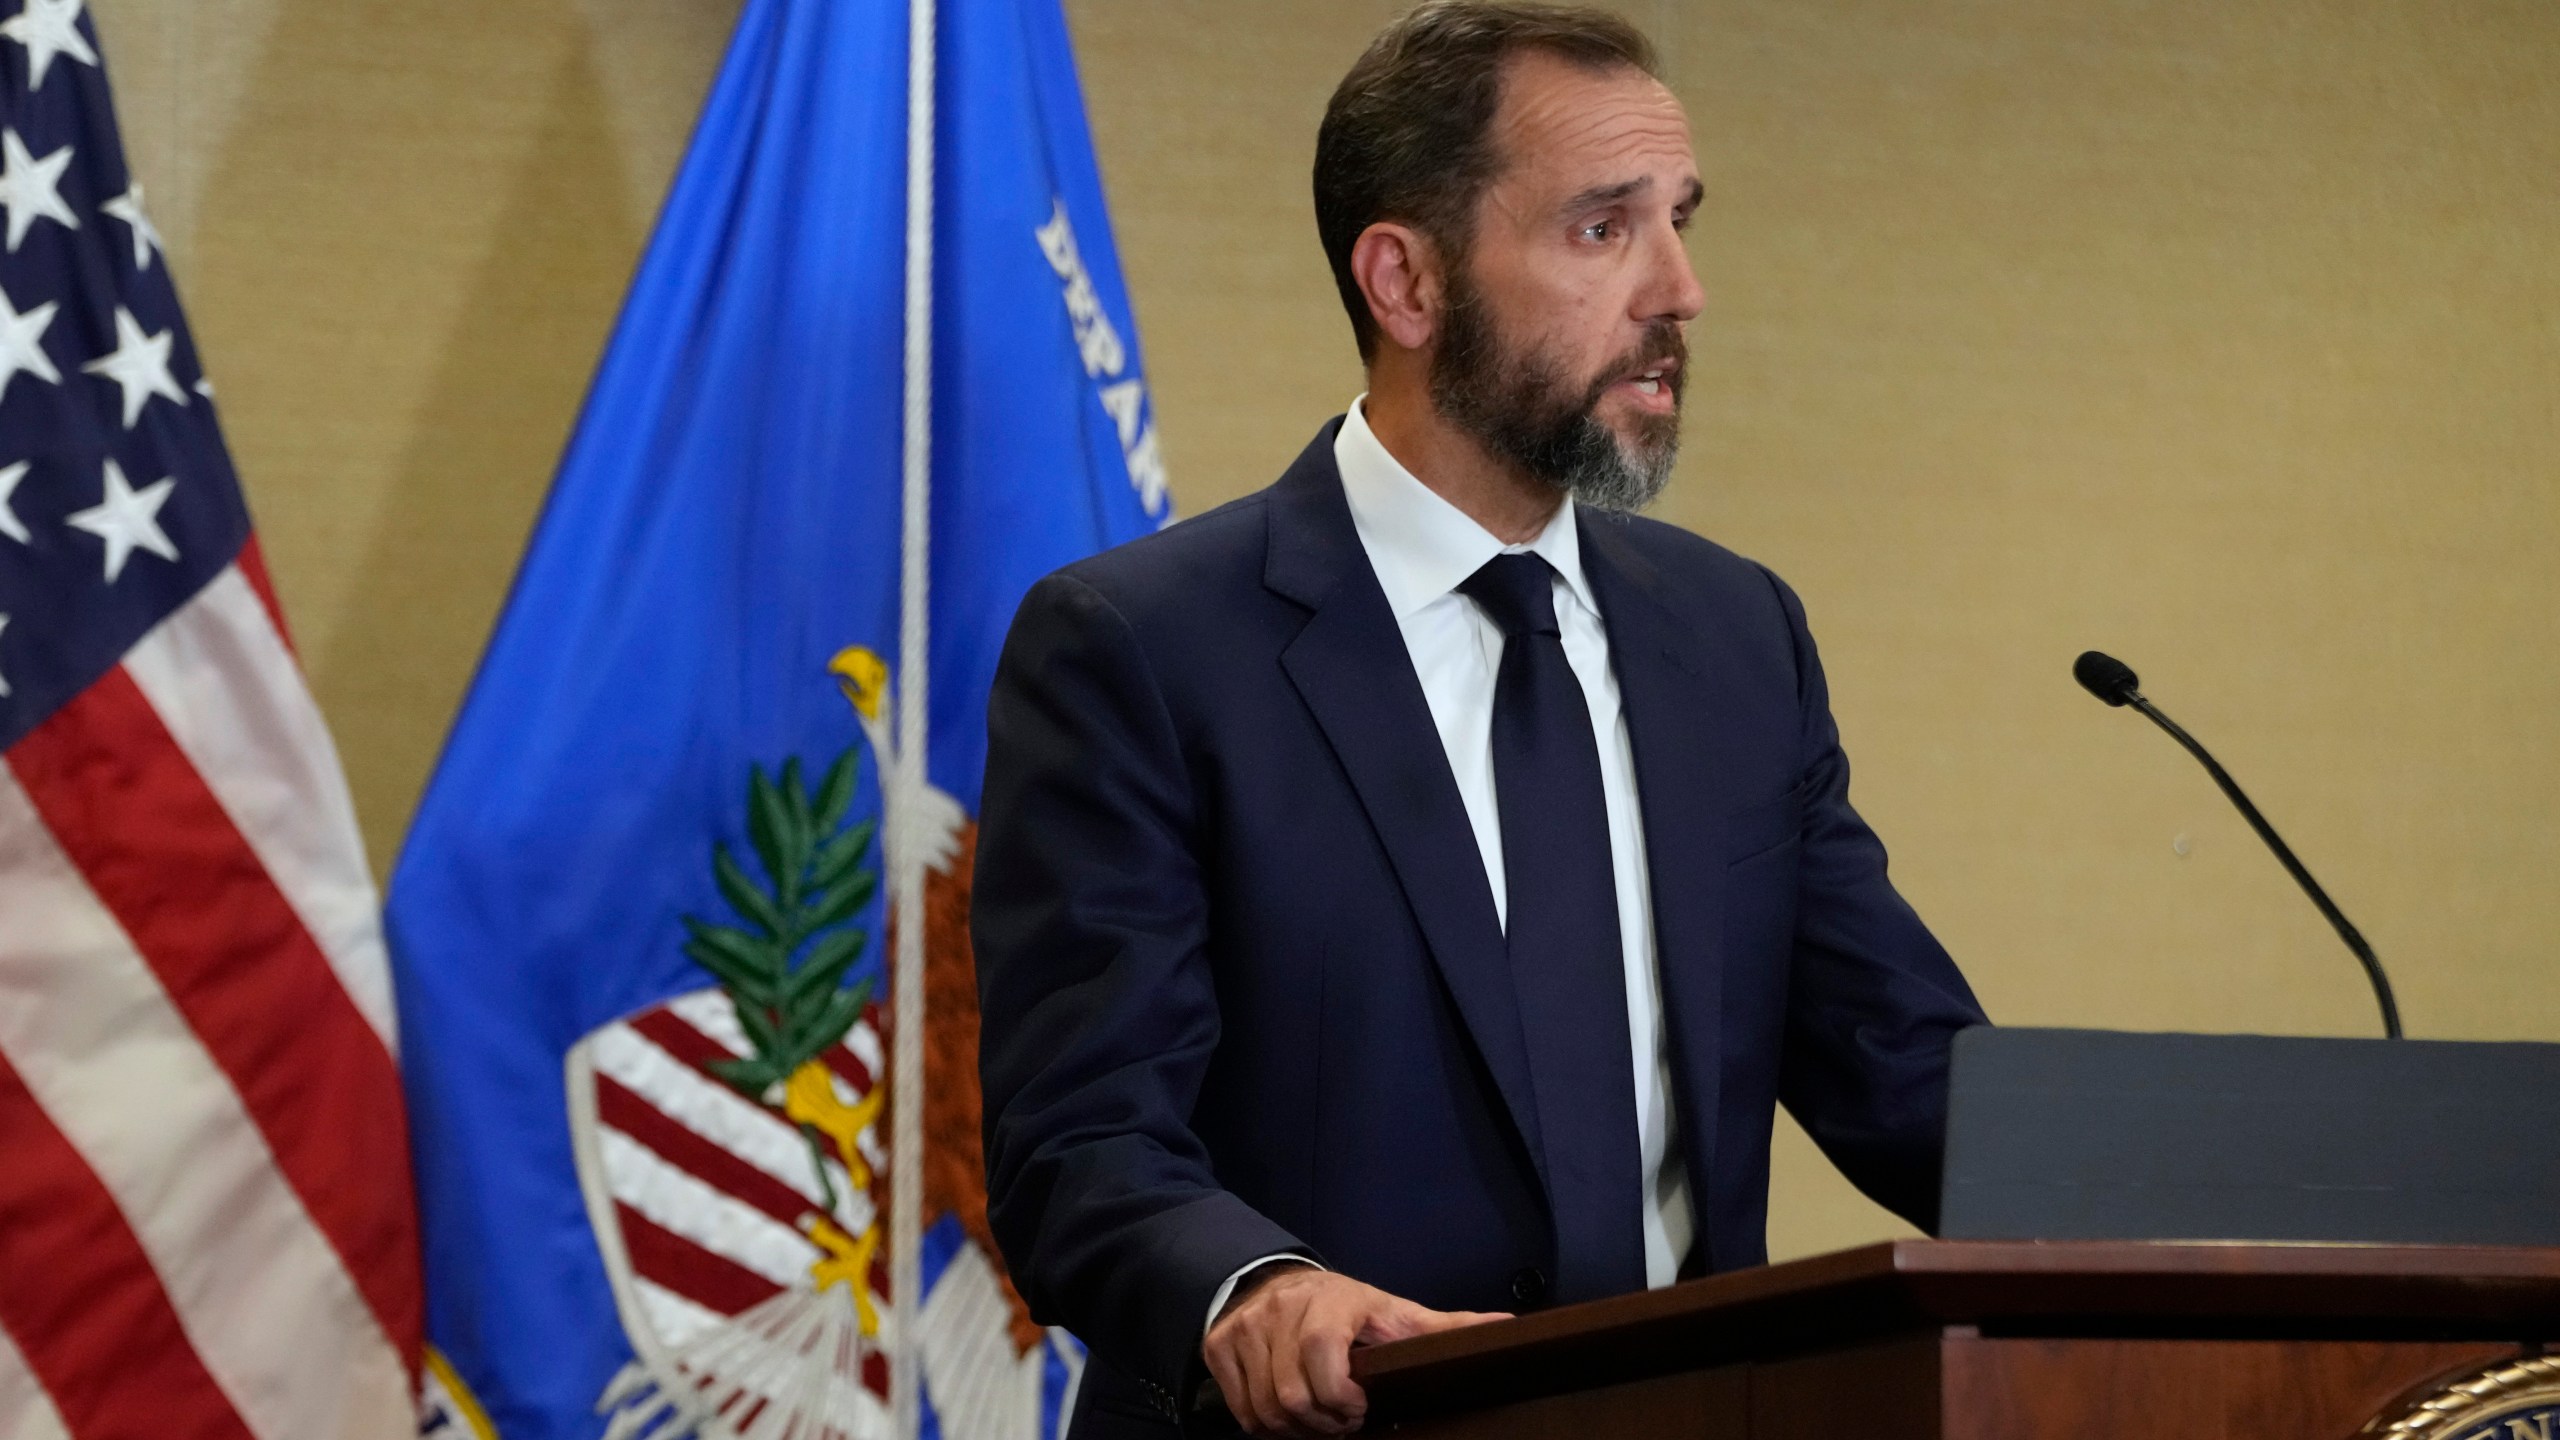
(1422, 546)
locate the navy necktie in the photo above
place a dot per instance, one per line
(1561, 927)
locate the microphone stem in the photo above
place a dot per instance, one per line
(2293, 867)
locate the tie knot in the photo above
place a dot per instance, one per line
(1518, 592)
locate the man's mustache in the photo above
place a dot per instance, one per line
(1662, 341)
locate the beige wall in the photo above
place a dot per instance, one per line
(401, 232)
(2224, 334)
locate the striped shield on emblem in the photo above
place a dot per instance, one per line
(741, 1247)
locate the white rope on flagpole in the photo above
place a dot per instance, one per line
(906, 986)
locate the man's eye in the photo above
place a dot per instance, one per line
(1599, 230)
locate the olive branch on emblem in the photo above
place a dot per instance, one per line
(784, 969)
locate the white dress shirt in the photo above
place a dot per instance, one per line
(1422, 548)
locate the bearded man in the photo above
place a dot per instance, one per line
(1403, 895)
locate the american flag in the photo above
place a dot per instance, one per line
(206, 1222)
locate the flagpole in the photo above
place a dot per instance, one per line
(907, 1042)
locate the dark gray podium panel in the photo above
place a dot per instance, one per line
(2105, 1135)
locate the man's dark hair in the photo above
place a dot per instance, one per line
(1408, 134)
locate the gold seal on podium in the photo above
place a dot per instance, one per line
(2515, 1400)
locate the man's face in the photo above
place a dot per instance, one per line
(1561, 344)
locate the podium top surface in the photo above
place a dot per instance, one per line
(2293, 1291)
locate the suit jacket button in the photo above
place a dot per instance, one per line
(1528, 1287)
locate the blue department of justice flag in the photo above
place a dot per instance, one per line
(638, 923)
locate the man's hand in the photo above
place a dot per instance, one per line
(1282, 1351)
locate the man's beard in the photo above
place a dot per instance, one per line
(1520, 406)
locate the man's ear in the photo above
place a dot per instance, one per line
(1398, 269)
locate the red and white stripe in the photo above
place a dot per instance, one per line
(708, 1188)
(699, 1196)
(206, 1223)
(26, 1412)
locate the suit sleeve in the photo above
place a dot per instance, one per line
(1873, 1001)
(1098, 1011)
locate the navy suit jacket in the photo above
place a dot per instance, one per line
(1243, 986)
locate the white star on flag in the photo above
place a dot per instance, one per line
(22, 343)
(127, 207)
(127, 519)
(48, 28)
(30, 187)
(139, 363)
(10, 524)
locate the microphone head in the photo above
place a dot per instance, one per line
(2106, 677)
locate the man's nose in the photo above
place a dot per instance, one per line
(1671, 290)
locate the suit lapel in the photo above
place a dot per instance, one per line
(1350, 666)
(1667, 686)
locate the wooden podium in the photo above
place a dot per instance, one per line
(1989, 1340)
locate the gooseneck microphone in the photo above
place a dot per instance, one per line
(2113, 681)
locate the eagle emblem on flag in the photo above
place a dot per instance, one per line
(728, 1147)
